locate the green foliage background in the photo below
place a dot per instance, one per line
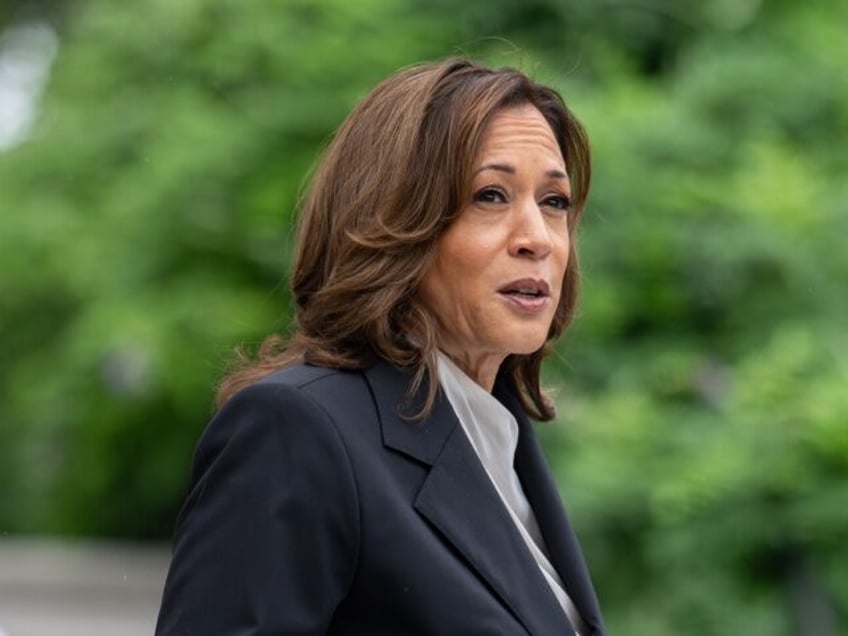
(703, 444)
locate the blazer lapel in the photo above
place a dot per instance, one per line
(459, 500)
(560, 539)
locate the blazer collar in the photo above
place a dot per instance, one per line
(420, 439)
(459, 500)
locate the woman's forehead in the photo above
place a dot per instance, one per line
(521, 129)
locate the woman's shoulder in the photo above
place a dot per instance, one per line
(329, 394)
(299, 406)
(301, 375)
(324, 385)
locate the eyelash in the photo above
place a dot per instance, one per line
(481, 195)
(563, 202)
(557, 201)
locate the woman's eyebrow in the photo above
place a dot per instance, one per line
(507, 168)
(500, 167)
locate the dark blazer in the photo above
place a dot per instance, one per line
(315, 508)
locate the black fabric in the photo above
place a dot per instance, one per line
(316, 508)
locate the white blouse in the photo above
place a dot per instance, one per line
(493, 432)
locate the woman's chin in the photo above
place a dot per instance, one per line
(528, 346)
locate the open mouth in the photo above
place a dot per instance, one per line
(526, 288)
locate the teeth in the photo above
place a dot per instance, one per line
(531, 291)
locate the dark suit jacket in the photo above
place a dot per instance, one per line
(315, 508)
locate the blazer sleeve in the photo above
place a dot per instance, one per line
(267, 540)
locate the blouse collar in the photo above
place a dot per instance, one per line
(489, 425)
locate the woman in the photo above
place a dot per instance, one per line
(378, 474)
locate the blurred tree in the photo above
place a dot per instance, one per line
(17, 11)
(708, 447)
(145, 227)
(148, 233)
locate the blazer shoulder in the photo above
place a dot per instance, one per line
(339, 393)
(271, 524)
(299, 375)
(277, 406)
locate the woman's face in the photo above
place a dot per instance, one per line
(496, 280)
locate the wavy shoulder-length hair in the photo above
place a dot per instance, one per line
(394, 176)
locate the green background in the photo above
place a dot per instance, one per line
(702, 442)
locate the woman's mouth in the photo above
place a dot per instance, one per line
(527, 295)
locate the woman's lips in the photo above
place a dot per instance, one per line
(528, 295)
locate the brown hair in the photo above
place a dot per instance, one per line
(392, 179)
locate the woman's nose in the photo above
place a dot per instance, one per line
(531, 236)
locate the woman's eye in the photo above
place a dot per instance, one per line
(559, 202)
(490, 195)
